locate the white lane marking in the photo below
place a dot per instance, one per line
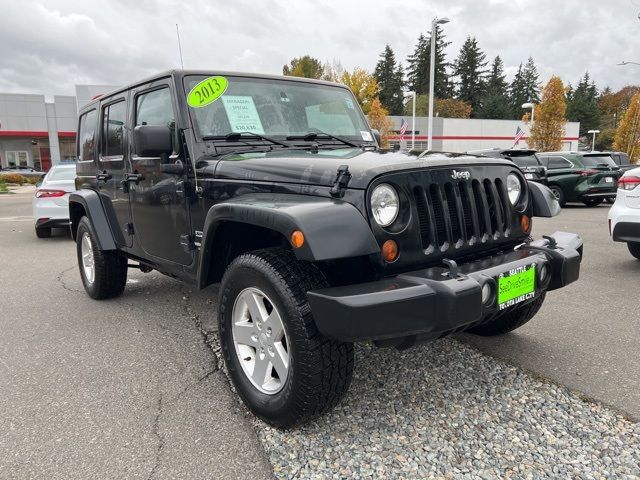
(16, 219)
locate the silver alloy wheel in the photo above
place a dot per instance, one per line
(260, 340)
(556, 193)
(88, 263)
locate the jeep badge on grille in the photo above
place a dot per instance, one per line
(456, 175)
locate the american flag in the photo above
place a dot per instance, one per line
(519, 135)
(403, 127)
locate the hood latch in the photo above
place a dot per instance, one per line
(341, 182)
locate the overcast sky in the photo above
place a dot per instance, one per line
(48, 47)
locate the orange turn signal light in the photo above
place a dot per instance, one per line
(390, 251)
(297, 239)
(525, 223)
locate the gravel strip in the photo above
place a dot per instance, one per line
(445, 410)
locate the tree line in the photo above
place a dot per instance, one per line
(471, 86)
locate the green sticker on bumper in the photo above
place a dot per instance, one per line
(207, 91)
(516, 287)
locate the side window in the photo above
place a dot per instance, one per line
(114, 117)
(556, 163)
(87, 136)
(154, 108)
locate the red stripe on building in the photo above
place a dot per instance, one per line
(25, 133)
(465, 137)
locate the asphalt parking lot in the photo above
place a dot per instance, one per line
(132, 387)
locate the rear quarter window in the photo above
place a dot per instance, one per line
(86, 136)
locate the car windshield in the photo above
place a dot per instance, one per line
(598, 161)
(61, 174)
(278, 109)
(524, 160)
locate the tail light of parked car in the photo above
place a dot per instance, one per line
(588, 173)
(628, 183)
(46, 193)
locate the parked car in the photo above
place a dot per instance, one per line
(51, 201)
(525, 159)
(587, 177)
(624, 216)
(622, 160)
(23, 170)
(276, 188)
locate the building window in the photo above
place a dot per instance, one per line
(17, 158)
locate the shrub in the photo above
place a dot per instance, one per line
(14, 178)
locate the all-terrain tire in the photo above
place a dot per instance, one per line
(110, 275)
(43, 232)
(509, 320)
(559, 194)
(320, 369)
(634, 249)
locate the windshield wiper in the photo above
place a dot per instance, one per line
(236, 136)
(316, 135)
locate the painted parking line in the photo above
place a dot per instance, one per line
(16, 219)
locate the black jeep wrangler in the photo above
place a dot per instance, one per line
(276, 187)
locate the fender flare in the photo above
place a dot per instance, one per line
(95, 211)
(544, 202)
(332, 228)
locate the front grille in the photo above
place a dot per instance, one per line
(453, 214)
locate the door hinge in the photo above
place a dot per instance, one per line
(187, 243)
(128, 227)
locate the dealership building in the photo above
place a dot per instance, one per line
(40, 132)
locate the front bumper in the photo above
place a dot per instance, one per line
(432, 302)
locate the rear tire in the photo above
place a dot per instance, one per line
(103, 273)
(634, 249)
(510, 320)
(317, 370)
(43, 232)
(559, 194)
(592, 203)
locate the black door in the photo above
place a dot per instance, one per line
(113, 164)
(159, 208)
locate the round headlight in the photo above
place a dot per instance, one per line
(514, 188)
(384, 204)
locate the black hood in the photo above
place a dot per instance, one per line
(305, 167)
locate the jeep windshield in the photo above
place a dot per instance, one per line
(280, 110)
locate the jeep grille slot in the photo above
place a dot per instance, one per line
(460, 213)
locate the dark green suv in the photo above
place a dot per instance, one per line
(584, 177)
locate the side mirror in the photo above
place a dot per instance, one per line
(376, 135)
(152, 140)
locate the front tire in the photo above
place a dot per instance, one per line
(510, 320)
(283, 368)
(103, 273)
(634, 249)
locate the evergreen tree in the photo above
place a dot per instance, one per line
(495, 103)
(469, 68)
(418, 66)
(547, 131)
(531, 84)
(390, 81)
(583, 105)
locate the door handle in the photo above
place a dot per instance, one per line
(103, 176)
(134, 177)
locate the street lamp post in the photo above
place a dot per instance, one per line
(432, 70)
(593, 140)
(628, 63)
(532, 107)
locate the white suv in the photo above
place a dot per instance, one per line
(624, 216)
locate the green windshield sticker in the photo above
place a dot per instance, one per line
(242, 114)
(207, 91)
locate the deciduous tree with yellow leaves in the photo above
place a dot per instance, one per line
(363, 85)
(379, 120)
(547, 130)
(628, 134)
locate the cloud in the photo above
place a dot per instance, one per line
(48, 47)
